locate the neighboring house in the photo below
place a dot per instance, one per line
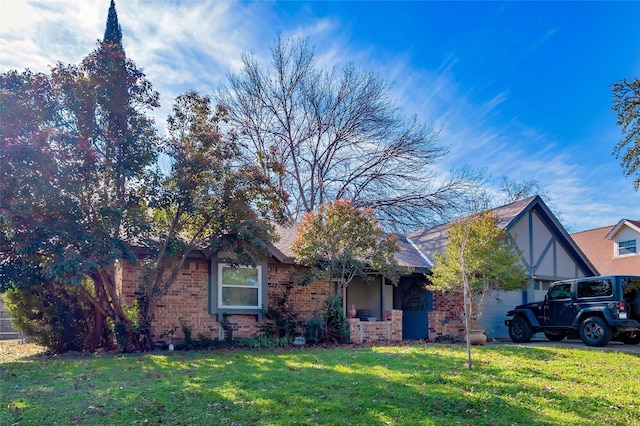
(209, 291)
(613, 249)
(548, 254)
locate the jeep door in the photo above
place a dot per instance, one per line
(559, 308)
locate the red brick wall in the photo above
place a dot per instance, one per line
(188, 299)
(395, 316)
(446, 317)
(128, 277)
(307, 300)
(377, 331)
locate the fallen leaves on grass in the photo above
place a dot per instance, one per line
(13, 350)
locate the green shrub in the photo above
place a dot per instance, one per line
(201, 342)
(264, 342)
(54, 316)
(282, 319)
(337, 325)
(314, 331)
(333, 327)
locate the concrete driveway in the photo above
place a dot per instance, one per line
(577, 344)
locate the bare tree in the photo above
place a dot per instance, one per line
(326, 135)
(512, 190)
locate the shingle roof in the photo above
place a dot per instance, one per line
(407, 254)
(282, 247)
(417, 249)
(508, 213)
(600, 251)
(434, 240)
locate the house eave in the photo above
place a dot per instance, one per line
(619, 226)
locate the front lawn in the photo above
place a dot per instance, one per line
(421, 384)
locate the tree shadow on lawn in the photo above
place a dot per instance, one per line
(362, 386)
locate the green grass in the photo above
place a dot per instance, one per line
(425, 384)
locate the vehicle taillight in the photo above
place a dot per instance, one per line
(622, 312)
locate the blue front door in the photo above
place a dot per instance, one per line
(416, 302)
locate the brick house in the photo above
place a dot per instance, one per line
(208, 290)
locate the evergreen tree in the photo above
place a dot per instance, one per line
(79, 191)
(113, 32)
(626, 104)
(74, 175)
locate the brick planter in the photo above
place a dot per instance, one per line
(377, 331)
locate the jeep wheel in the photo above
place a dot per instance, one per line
(594, 331)
(555, 337)
(630, 338)
(520, 330)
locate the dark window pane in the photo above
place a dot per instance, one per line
(599, 288)
(627, 247)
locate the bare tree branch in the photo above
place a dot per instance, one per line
(325, 135)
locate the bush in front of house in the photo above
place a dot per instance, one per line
(52, 316)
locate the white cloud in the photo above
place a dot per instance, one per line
(192, 45)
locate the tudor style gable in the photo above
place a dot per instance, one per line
(548, 252)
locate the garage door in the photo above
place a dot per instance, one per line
(495, 310)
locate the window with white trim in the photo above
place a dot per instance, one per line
(627, 247)
(239, 286)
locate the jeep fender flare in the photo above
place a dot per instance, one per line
(527, 314)
(589, 312)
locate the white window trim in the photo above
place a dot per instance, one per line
(626, 254)
(258, 288)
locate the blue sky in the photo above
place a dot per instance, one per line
(521, 89)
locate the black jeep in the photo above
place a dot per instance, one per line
(597, 308)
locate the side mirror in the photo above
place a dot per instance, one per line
(546, 298)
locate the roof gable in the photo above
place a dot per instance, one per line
(417, 249)
(434, 240)
(632, 224)
(281, 249)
